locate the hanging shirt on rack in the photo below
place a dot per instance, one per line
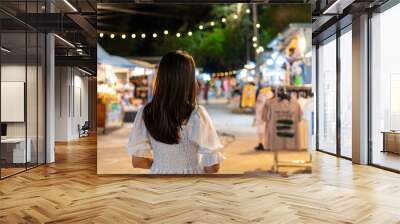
(265, 118)
(282, 118)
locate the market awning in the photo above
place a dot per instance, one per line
(104, 57)
(142, 64)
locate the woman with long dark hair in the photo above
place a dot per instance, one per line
(172, 134)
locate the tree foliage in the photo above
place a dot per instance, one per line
(224, 46)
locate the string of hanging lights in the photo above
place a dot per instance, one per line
(155, 35)
(223, 74)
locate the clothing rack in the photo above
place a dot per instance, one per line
(305, 90)
(284, 92)
(306, 164)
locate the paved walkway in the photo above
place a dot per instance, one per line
(241, 157)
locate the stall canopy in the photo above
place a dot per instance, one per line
(142, 64)
(105, 58)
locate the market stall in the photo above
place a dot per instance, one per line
(289, 61)
(120, 95)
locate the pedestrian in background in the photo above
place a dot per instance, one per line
(206, 90)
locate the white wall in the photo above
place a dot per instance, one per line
(62, 81)
(71, 94)
(16, 73)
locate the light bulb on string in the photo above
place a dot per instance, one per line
(235, 16)
(255, 45)
(254, 39)
(248, 11)
(212, 23)
(223, 20)
(258, 25)
(165, 32)
(190, 33)
(143, 35)
(133, 36)
(101, 35)
(112, 36)
(201, 27)
(154, 35)
(178, 35)
(123, 36)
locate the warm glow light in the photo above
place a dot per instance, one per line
(235, 16)
(254, 39)
(255, 45)
(302, 44)
(112, 36)
(223, 20)
(143, 35)
(260, 49)
(248, 11)
(123, 36)
(165, 32)
(212, 23)
(250, 65)
(154, 35)
(190, 33)
(178, 35)
(201, 27)
(258, 25)
(133, 36)
(101, 35)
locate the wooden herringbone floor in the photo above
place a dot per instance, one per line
(69, 191)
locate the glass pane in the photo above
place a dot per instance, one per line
(32, 84)
(386, 89)
(31, 97)
(14, 151)
(327, 97)
(41, 98)
(346, 94)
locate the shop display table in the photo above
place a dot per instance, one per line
(391, 141)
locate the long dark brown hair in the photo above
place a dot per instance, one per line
(174, 97)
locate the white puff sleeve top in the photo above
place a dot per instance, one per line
(199, 146)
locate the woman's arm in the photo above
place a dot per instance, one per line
(211, 169)
(140, 162)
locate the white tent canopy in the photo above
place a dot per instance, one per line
(105, 58)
